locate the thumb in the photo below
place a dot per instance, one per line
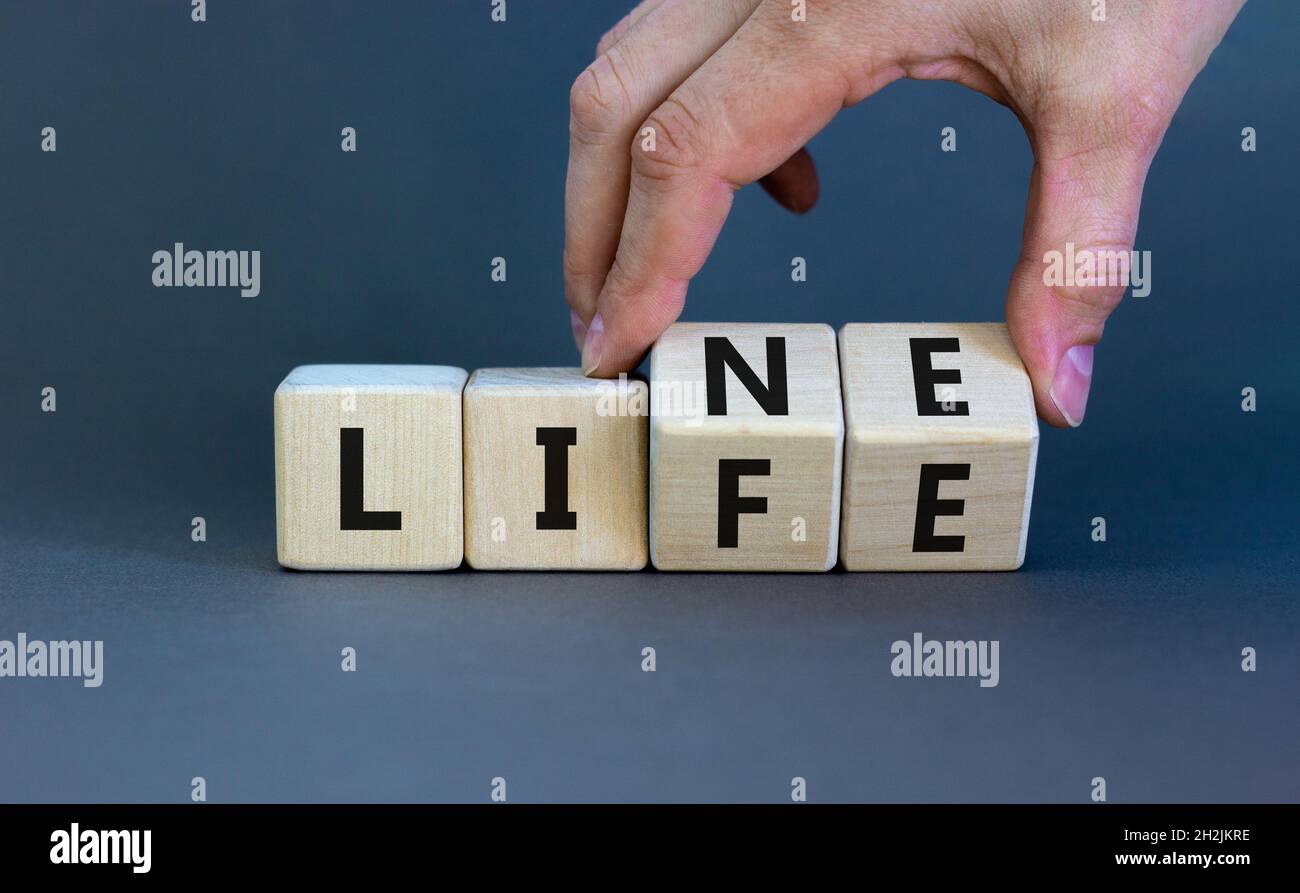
(1074, 265)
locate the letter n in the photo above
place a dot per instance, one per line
(720, 353)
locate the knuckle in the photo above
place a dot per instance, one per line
(600, 106)
(1101, 272)
(612, 36)
(1087, 303)
(590, 115)
(670, 143)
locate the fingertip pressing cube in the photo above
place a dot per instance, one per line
(745, 448)
(368, 468)
(941, 444)
(555, 471)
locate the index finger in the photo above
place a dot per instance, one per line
(751, 106)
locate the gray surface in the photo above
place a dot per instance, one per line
(1118, 659)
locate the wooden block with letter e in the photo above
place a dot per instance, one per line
(941, 443)
(555, 471)
(745, 448)
(368, 468)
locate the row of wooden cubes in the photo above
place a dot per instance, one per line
(735, 456)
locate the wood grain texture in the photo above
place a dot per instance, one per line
(799, 529)
(411, 418)
(888, 441)
(505, 470)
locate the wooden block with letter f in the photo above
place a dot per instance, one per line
(368, 468)
(555, 471)
(746, 437)
(941, 443)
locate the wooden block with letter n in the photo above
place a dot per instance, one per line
(368, 468)
(940, 447)
(555, 471)
(746, 436)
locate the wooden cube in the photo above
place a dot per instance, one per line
(745, 448)
(555, 471)
(368, 468)
(941, 445)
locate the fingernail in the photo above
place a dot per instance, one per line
(1069, 389)
(592, 345)
(579, 328)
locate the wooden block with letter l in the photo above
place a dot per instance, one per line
(746, 436)
(555, 471)
(940, 447)
(368, 468)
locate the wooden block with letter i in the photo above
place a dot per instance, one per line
(368, 468)
(746, 437)
(940, 446)
(555, 471)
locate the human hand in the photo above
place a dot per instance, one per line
(731, 90)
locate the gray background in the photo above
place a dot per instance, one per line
(1118, 659)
